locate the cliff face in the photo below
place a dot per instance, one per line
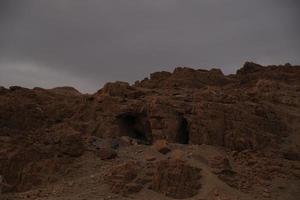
(239, 112)
(257, 109)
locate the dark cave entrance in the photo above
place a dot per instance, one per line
(183, 131)
(135, 125)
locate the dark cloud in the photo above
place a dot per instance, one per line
(87, 43)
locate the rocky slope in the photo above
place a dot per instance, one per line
(188, 134)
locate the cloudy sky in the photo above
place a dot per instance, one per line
(85, 43)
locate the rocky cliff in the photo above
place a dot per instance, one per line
(251, 115)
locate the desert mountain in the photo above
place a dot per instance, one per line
(192, 133)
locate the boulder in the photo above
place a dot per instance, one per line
(176, 179)
(106, 153)
(161, 146)
(122, 178)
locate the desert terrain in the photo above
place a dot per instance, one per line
(188, 134)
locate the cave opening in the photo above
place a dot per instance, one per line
(135, 125)
(183, 132)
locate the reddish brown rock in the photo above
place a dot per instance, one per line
(149, 157)
(121, 178)
(106, 153)
(177, 154)
(219, 163)
(161, 146)
(255, 110)
(176, 179)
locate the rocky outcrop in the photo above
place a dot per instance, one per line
(184, 77)
(35, 141)
(70, 91)
(203, 107)
(250, 67)
(176, 179)
(256, 109)
(173, 178)
(120, 89)
(32, 160)
(123, 178)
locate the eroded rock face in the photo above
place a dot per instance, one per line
(184, 77)
(28, 163)
(256, 109)
(176, 179)
(250, 67)
(136, 126)
(35, 141)
(123, 178)
(173, 178)
(199, 107)
(120, 89)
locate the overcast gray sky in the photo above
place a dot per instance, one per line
(85, 43)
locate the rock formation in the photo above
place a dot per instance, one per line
(253, 115)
